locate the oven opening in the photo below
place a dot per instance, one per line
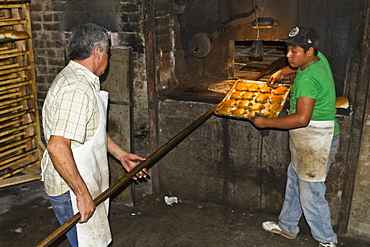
(248, 67)
(213, 89)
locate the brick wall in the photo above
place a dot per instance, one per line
(48, 44)
(165, 38)
(52, 22)
(50, 19)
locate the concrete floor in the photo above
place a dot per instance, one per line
(26, 218)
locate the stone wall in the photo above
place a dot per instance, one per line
(359, 219)
(224, 161)
(360, 210)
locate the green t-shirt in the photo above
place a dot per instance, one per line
(316, 82)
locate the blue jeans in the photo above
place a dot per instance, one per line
(308, 198)
(62, 207)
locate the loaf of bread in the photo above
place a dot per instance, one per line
(241, 86)
(248, 96)
(244, 103)
(256, 107)
(276, 99)
(253, 87)
(262, 98)
(271, 114)
(237, 95)
(224, 110)
(342, 102)
(281, 90)
(20, 35)
(265, 89)
(12, 34)
(238, 112)
(274, 107)
(230, 103)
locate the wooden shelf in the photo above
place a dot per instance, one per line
(20, 143)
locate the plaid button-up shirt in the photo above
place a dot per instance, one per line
(70, 110)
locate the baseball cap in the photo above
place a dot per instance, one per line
(303, 36)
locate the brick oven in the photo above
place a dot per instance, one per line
(183, 56)
(213, 36)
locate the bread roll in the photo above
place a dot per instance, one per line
(238, 112)
(253, 87)
(14, 34)
(20, 35)
(224, 110)
(249, 114)
(342, 102)
(244, 103)
(262, 98)
(230, 103)
(274, 107)
(241, 86)
(271, 114)
(8, 33)
(265, 89)
(276, 99)
(237, 95)
(256, 107)
(248, 96)
(281, 90)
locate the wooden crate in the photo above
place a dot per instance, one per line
(20, 143)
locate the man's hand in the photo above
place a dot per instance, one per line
(86, 207)
(129, 161)
(259, 121)
(277, 76)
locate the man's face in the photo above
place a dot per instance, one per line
(103, 62)
(297, 57)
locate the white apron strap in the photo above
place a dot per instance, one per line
(45, 161)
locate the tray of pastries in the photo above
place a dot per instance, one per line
(247, 98)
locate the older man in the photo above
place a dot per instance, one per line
(75, 166)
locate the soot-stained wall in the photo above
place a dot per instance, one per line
(200, 168)
(53, 20)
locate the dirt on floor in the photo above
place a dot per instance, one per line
(26, 218)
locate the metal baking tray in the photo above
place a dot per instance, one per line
(248, 98)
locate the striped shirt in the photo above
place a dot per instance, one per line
(70, 110)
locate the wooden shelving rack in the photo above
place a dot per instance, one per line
(20, 143)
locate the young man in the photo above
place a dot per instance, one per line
(313, 135)
(75, 165)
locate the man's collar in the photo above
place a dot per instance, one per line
(94, 79)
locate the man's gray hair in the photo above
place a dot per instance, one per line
(84, 38)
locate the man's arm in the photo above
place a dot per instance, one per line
(281, 73)
(59, 149)
(128, 160)
(301, 118)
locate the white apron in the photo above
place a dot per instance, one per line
(92, 163)
(310, 148)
